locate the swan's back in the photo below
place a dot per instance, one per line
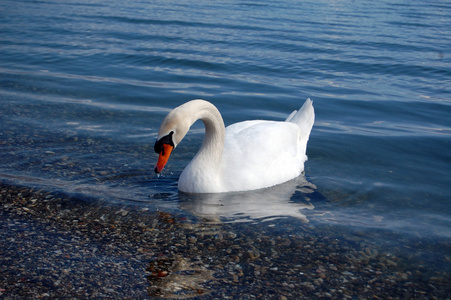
(259, 154)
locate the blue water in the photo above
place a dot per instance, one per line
(84, 86)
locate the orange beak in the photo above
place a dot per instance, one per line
(163, 158)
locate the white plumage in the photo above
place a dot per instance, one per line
(244, 156)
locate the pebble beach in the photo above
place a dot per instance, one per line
(57, 246)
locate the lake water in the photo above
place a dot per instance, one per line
(84, 86)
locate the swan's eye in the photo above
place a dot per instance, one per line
(167, 139)
(158, 147)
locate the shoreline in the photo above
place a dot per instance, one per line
(58, 246)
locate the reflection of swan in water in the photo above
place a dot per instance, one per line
(263, 204)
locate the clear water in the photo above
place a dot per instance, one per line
(84, 86)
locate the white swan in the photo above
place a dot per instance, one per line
(244, 156)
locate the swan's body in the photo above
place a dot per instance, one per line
(244, 156)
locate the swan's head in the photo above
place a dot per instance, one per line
(171, 132)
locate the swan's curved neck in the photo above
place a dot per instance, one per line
(210, 153)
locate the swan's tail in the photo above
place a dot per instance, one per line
(304, 117)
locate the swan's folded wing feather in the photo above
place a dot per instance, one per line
(260, 154)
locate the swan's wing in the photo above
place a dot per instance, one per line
(260, 154)
(288, 119)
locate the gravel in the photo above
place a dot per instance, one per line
(57, 246)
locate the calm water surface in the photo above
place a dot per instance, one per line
(84, 86)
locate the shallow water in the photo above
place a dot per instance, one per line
(84, 87)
